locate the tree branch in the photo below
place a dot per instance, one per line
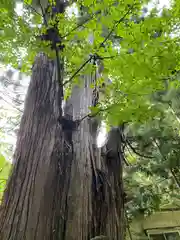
(43, 13)
(137, 153)
(100, 45)
(175, 177)
(81, 24)
(115, 26)
(79, 69)
(32, 8)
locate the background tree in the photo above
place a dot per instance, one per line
(155, 156)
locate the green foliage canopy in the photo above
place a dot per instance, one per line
(143, 55)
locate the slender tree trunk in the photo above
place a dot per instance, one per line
(58, 190)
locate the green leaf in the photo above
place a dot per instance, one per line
(29, 2)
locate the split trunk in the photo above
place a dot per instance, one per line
(58, 190)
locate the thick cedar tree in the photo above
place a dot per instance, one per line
(57, 191)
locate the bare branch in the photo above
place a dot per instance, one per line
(43, 13)
(100, 45)
(137, 153)
(79, 69)
(115, 26)
(81, 24)
(32, 8)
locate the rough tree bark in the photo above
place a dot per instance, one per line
(96, 206)
(57, 191)
(33, 206)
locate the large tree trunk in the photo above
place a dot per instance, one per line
(33, 206)
(59, 191)
(95, 202)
